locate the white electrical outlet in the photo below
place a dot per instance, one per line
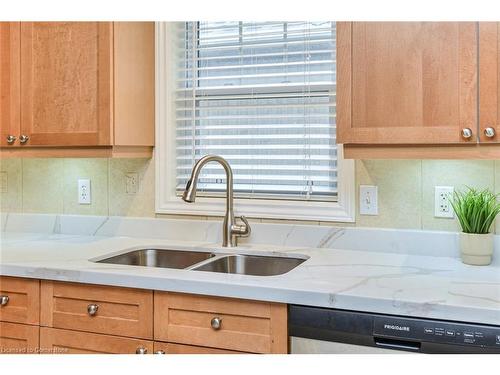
(131, 183)
(84, 196)
(368, 200)
(442, 205)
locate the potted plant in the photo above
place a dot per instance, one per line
(476, 211)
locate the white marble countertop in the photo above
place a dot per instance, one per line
(438, 287)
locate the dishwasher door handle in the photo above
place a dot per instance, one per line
(397, 344)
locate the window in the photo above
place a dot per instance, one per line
(262, 95)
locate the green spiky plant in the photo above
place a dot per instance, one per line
(476, 210)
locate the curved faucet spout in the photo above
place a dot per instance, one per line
(230, 230)
(189, 194)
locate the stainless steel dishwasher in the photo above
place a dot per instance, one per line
(315, 330)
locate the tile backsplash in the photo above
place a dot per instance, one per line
(50, 186)
(405, 188)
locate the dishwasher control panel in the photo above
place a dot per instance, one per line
(392, 332)
(436, 331)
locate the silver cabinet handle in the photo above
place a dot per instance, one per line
(141, 350)
(11, 139)
(160, 352)
(216, 323)
(489, 132)
(4, 300)
(23, 138)
(466, 133)
(92, 309)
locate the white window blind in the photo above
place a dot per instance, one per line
(262, 95)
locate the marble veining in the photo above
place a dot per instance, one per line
(400, 272)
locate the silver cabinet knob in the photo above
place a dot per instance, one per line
(141, 350)
(466, 133)
(11, 139)
(489, 132)
(216, 323)
(92, 309)
(160, 352)
(23, 138)
(4, 300)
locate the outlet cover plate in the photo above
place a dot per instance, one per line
(131, 182)
(442, 205)
(368, 200)
(84, 196)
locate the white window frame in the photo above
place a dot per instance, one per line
(167, 202)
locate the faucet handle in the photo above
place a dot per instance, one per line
(241, 230)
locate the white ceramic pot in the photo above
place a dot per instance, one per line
(476, 249)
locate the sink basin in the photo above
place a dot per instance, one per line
(242, 264)
(163, 258)
(255, 265)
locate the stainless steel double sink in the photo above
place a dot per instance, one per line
(242, 263)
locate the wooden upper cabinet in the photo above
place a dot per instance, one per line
(66, 83)
(68, 87)
(489, 82)
(9, 81)
(406, 82)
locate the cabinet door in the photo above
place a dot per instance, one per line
(222, 323)
(169, 348)
(21, 300)
(61, 341)
(116, 311)
(18, 338)
(9, 82)
(406, 82)
(66, 83)
(489, 82)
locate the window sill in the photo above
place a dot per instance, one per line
(262, 209)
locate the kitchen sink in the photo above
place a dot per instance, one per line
(254, 265)
(164, 258)
(242, 264)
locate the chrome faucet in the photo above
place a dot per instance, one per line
(230, 230)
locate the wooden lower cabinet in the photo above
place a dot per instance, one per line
(170, 348)
(63, 317)
(224, 323)
(22, 300)
(18, 338)
(62, 341)
(118, 311)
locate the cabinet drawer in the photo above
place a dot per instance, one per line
(21, 302)
(169, 348)
(18, 338)
(246, 326)
(119, 311)
(61, 341)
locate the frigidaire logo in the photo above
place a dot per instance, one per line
(397, 328)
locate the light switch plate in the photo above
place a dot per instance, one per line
(442, 205)
(84, 191)
(368, 200)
